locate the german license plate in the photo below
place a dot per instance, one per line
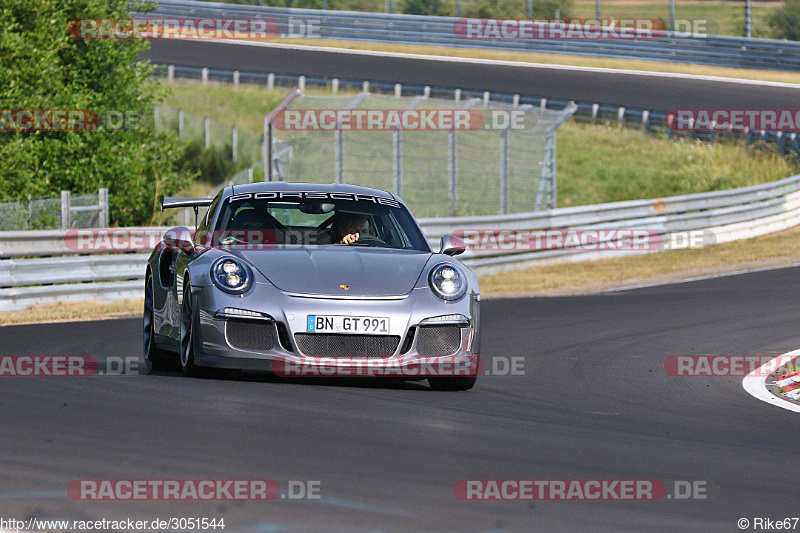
(359, 325)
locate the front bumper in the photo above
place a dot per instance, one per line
(286, 316)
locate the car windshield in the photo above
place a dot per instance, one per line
(317, 218)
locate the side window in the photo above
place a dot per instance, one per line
(205, 223)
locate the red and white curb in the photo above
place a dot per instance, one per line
(755, 383)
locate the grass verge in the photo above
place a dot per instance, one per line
(73, 312)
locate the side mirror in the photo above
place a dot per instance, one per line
(180, 238)
(452, 245)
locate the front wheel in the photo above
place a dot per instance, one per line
(452, 384)
(188, 366)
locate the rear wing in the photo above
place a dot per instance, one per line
(168, 202)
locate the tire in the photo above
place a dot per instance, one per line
(155, 358)
(188, 366)
(452, 384)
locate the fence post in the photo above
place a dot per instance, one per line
(207, 132)
(530, 9)
(235, 79)
(249, 174)
(504, 171)
(338, 139)
(102, 196)
(155, 117)
(452, 173)
(65, 201)
(180, 123)
(235, 141)
(397, 162)
(266, 149)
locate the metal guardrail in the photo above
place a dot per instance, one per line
(415, 29)
(730, 215)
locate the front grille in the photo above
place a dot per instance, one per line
(438, 340)
(252, 335)
(326, 344)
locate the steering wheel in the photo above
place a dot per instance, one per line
(372, 241)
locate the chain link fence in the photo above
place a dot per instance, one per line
(503, 161)
(68, 211)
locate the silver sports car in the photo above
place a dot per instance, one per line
(309, 279)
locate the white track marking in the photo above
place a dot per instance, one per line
(520, 64)
(756, 384)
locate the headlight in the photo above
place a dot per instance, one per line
(447, 282)
(231, 275)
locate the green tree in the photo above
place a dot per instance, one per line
(785, 21)
(43, 67)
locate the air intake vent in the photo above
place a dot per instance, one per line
(438, 340)
(251, 335)
(325, 344)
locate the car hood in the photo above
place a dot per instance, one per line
(324, 270)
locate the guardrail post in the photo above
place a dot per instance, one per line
(180, 123)
(171, 73)
(301, 83)
(543, 103)
(207, 132)
(595, 109)
(515, 100)
(335, 85)
(426, 91)
(645, 120)
(234, 143)
(398, 90)
(235, 79)
(365, 87)
(204, 76)
(270, 81)
(504, 171)
(486, 96)
(65, 201)
(102, 197)
(621, 116)
(457, 95)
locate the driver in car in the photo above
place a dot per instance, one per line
(349, 229)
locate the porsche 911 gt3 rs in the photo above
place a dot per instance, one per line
(308, 274)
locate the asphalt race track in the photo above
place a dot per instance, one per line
(647, 92)
(594, 403)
